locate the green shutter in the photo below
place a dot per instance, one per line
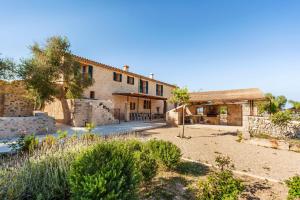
(162, 90)
(146, 87)
(115, 76)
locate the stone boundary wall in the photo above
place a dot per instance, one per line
(78, 112)
(262, 125)
(40, 123)
(12, 105)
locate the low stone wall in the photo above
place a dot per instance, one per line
(40, 123)
(78, 112)
(12, 105)
(262, 125)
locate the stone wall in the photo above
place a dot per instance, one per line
(262, 125)
(78, 112)
(12, 105)
(40, 123)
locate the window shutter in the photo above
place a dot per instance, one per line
(141, 86)
(120, 77)
(132, 80)
(162, 90)
(146, 87)
(90, 71)
(115, 76)
(128, 79)
(157, 89)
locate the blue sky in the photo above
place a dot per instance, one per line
(204, 45)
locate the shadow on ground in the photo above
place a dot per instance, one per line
(192, 169)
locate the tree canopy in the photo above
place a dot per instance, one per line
(8, 69)
(180, 96)
(273, 104)
(53, 72)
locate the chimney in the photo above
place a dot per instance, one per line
(151, 76)
(126, 68)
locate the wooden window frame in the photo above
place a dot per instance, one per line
(132, 106)
(130, 80)
(92, 94)
(117, 77)
(147, 104)
(144, 86)
(159, 90)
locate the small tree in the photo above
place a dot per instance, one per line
(295, 104)
(273, 104)
(8, 69)
(181, 97)
(53, 72)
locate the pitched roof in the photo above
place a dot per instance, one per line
(227, 95)
(94, 63)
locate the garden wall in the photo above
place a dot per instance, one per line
(12, 105)
(262, 125)
(78, 112)
(40, 123)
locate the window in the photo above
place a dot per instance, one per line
(159, 90)
(90, 71)
(200, 111)
(144, 87)
(132, 105)
(147, 104)
(83, 72)
(130, 80)
(117, 77)
(92, 95)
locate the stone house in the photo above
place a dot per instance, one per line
(227, 107)
(119, 93)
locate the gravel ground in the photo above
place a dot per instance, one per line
(207, 143)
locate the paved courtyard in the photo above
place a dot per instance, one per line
(209, 141)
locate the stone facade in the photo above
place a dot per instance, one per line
(262, 125)
(104, 87)
(40, 123)
(78, 112)
(12, 105)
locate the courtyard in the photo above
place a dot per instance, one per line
(207, 142)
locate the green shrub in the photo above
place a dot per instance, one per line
(281, 118)
(145, 161)
(294, 187)
(89, 127)
(49, 141)
(221, 184)
(25, 143)
(43, 179)
(106, 171)
(165, 152)
(62, 134)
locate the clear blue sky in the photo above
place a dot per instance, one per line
(204, 45)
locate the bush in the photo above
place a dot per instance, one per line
(145, 162)
(165, 152)
(281, 118)
(25, 143)
(49, 141)
(294, 187)
(220, 184)
(43, 179)
(106, 171)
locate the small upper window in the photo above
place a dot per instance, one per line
(159, 90)
(92, 94)
(144, 87)
(117, 77)
(130, 80)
